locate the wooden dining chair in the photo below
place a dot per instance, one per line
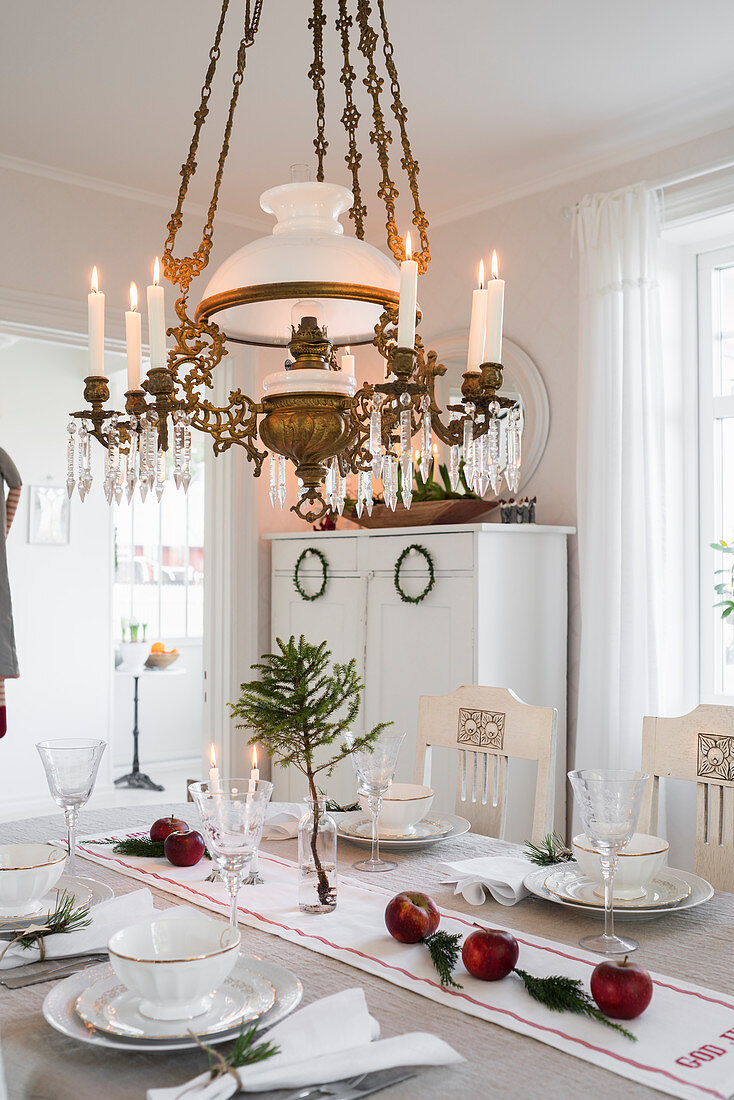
(489, 726)
(699, 747)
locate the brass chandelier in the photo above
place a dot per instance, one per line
(338, 291)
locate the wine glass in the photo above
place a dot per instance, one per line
(374, 767)
(232, 815)
(71, 765)
(609, 802)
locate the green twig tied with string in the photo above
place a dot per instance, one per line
(311, 551)
(418, 549)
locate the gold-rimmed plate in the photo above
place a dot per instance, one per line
(85, 891)
(422, 830)
(570, 884)
(352, 826)
(701, 891)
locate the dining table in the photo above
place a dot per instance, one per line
(696, 945)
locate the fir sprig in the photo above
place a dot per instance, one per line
(140, 846)
(445, 948)
(66, 917)
(552, 849)
(244, 1053)
(562, 994)
(333, 807)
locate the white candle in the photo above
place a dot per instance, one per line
(95, 325)
(254, 773)
(478, 323)
(495, 308)
(157, 319)
(408, 297)
(347, 363)
(133, 339)
(213, 770)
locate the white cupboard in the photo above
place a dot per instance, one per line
(497, 615)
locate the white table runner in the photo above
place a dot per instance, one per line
(685, 1040)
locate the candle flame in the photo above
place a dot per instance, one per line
(95, 280)
(495, 265)
(347, 350)
(156, 272)
(213, 755)
(254, 756)
(435, 448)
(133, 297)
(408, 247)
(416, 456)
(480, 276)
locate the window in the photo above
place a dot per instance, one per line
(716, 405)
(159, 559)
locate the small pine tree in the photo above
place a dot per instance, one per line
(294, 709)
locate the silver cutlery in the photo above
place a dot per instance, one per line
(354, 1088)
(49, 970)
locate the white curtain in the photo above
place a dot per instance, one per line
(630, 512)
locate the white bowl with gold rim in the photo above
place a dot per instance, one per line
(174, 965)
(642, 858)
(27, 873)
(403, 806)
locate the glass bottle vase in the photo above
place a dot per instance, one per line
(316, 859)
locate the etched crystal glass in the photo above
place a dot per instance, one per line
(375, 769)
(609, 802)
(71, 765)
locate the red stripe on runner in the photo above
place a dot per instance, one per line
(428, 981)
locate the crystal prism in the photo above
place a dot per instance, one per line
(376, 435)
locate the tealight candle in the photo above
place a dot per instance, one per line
(495, 309)
(408, 297)
(157, 319)
(95, 326)
(133, 340)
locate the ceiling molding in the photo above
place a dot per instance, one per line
(134, 194)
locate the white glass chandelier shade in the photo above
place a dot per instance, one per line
(246, 295)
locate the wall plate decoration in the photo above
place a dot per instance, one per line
(49, 515)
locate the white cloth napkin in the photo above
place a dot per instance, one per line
(281, 820)
(500, 876)
(107, 917)
(329, 1040)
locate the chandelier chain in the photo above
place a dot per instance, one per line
(182, 270)
(380, 136)
(316, 74)
(408, 161)
(350, 121)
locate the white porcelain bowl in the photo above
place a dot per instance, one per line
(174, 965)
(27, 872)
(640, 860)
(404, 805)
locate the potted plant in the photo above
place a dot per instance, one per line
(298, 710)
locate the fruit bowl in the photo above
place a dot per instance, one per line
(161, 660)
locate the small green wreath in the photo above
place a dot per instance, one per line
(431, 575)
(308, 552)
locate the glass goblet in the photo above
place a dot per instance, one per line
(232, 815)
(374, 767)
(609, 802)
(71, 765)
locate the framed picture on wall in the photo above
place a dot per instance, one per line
(49, 514)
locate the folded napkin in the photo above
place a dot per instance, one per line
(500, 876)
(107, 917)
(281, 820)
(329, 1040)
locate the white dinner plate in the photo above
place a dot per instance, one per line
(422, 830)
(59, 1008)
(346, 822)
(86, 891)
(108, 1006)
(571, 884)
(701, 891)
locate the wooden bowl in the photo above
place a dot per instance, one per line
(423, 513)
(161, 660)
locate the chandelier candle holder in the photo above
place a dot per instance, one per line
(318, 292)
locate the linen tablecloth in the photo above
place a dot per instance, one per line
(695, 945)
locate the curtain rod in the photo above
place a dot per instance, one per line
(669, 181)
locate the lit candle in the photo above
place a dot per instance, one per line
(478, 323)
(495, 307)
(408, 297)
(254, 773)
(133, 340)
(347, 363)
(213, 770)
(95, 325)
(157, 319)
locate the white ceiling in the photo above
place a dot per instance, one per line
(501, 93)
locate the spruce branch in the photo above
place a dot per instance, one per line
(444, 948)
(244, 1052)
(552, 849)
(66, 917)
(562, 994)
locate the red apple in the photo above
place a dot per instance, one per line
(411, 916)
(622, 990)
(490, 954)
(164, 826)
(184, 849)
